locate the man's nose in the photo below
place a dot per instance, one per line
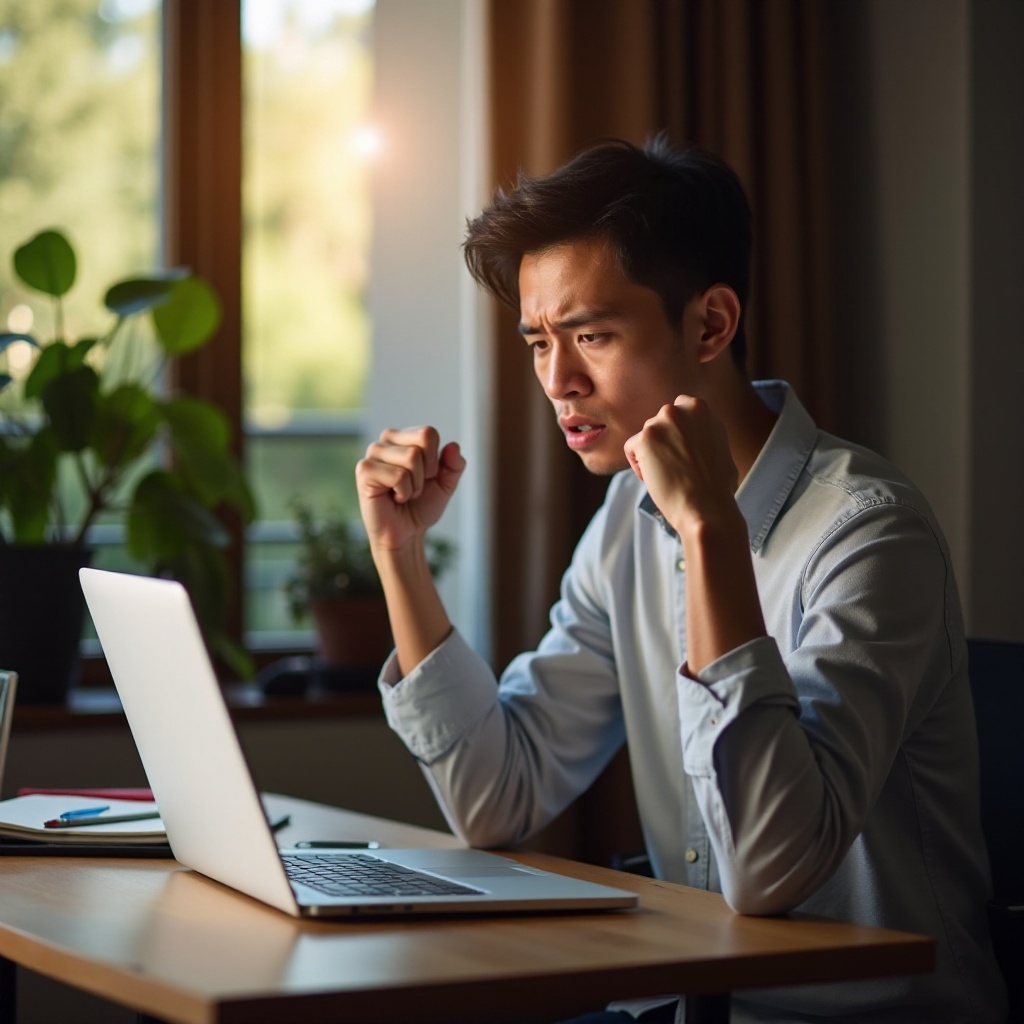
(564, 376)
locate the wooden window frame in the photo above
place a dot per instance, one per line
(202, 207)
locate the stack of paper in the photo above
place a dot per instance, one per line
(25, 818)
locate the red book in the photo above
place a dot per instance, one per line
(134, 793)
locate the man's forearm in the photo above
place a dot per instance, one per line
(419, 622)
(723, 610)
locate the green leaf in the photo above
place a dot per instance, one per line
(237, 659)
(196, 424)
(127, 419)
(137, 295)
(80, 350)
(164, 519)
(70, 402)
(29, 475)
(8, 454)
(47, 263)
(200, 436)
(206, 575)
(235, 490)
(6, 340)
(55, 360)
(52, 362)
(189, 316)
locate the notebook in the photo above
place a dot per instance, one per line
(22, 830)
(211, 807)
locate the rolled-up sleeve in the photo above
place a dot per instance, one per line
(788, 754)
(441, 701)
(504, 759)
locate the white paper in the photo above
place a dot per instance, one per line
(24, 817)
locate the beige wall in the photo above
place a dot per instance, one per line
(430, 359)
(996, 450)
(928, 146)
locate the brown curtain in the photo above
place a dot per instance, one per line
(744, 78)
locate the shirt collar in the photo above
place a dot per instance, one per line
(778, 465)
(776, 469)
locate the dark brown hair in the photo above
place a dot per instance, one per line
(678, 222)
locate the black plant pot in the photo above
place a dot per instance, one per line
(41, 614)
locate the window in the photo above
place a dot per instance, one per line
(264, 189)
(80, 142)
(307, 146)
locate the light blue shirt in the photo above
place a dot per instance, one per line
(830, 767)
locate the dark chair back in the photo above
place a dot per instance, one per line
(997, 683)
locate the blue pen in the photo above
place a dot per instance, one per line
(83, 812)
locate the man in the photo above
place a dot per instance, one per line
(767, 613)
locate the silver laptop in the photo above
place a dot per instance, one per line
(212, 810)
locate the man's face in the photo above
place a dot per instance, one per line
(603, 349)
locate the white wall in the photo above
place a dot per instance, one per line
(429, 352)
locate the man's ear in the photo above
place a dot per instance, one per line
(720, 310)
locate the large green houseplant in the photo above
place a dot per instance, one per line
(94, 410)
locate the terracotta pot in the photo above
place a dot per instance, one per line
(352, 632)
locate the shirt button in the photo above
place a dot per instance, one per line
(691, 855)
(681, 565)
(714, 721)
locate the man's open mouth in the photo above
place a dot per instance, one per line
(579, 436)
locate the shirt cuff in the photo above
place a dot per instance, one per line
(440, 700)
(752, 674)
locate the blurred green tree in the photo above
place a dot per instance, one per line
(307, 212)
(79, 141)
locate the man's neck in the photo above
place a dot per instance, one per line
(748, 421)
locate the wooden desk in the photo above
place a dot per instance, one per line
(179, 947)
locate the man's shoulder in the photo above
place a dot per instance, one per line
(858, 477)
(848, 494)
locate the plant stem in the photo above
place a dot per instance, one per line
(58, 318)
(97, 495)
(110, 363)
(58, 513)
(108, 339)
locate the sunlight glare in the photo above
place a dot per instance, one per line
(20, 319)
(366, 142)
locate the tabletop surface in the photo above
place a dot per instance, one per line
(173, 944)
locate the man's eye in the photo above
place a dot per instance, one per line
(593, 336)
(536, 344)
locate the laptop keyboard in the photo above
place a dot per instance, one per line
(361, 875)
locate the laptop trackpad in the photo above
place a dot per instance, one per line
(459, 863)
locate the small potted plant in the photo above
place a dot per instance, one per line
(336, 583)
(93, 411)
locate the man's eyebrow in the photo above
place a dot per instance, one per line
(580, 319)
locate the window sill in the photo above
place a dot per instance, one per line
(99, 707)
